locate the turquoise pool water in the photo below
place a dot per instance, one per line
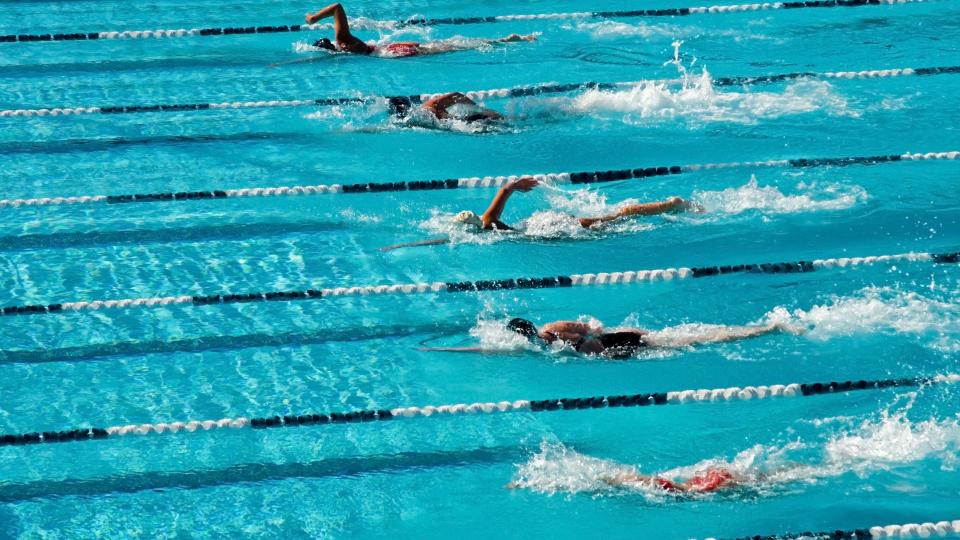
(841, 461)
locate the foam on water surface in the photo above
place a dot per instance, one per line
(892, 440)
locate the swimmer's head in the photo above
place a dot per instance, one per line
(467, 217)
(524, 327)
(324, 43)
(399, 106)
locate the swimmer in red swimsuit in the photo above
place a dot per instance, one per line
(710, 481)
(344, 41)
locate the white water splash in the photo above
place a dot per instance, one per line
(352, 215)
(557, 468)
(442, 223)
(419, 117)
(875, 445)
(880, 310)
(303, 47)
(615, 29)
(697, 100)
(895, 439)
(770, 200)
(494, 335)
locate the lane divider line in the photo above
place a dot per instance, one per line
(582, 177)
(368, 24)
(574, 280)
(877, 532)
(715, 395)
(514, 92)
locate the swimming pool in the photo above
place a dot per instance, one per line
(829, 462)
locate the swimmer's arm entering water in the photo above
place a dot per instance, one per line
(434, 242)
(439, 105)
(491, 218)
(570, 331)
(341, 28)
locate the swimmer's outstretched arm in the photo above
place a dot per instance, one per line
(491, 218)
(673, 204)
(453, 45)
(721, 335)
(626, 479)
(434, 242)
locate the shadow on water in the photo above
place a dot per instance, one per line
(96, 145)
(257, 472)
(158, 64)
(610, 55)
(212, 343)
(171, 235)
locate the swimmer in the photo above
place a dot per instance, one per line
(490, 220)
(712, 480)
(346, 42)
(623, 342)
(452, 106)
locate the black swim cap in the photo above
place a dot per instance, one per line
(324, 43)
(523, 327)
(400, 106)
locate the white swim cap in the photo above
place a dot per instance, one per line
(468, 218)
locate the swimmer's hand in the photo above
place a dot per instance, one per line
(788, 327)
(693, 207)
(524, 184)
(311, 17)
(681, 205)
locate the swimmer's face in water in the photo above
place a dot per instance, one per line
(525, 328)
(485, 117)
(399, 106)
(324, 43)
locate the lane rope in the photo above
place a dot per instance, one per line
(513, 92)
(877, 532)
(734, 393)
(576, 178)
(574, 280)
(366, 24)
